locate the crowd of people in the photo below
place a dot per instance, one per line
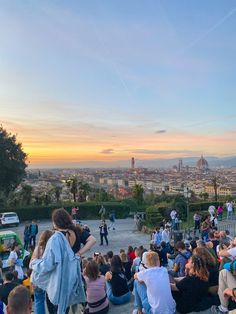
(165, 278)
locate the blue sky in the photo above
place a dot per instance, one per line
(98, 80)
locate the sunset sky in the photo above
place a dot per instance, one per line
(107, 80)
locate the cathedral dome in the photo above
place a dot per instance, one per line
(202, 164)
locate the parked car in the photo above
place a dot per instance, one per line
(7, 238)
(9, 218)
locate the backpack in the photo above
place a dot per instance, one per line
(231, 266)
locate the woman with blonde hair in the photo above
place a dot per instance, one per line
(102, 265)
(40, 294)
(190, 291)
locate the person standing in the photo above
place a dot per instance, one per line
(197, 222)
(102, 212)
(75, 213)
(229, 206)
(26, 237)
(166, 235)
(158, 237)
(220, 210)
(103, 232)
(58, 270)
(112, 221)
(211, 210)
(205, 228)
(33, 230)
(173, 215)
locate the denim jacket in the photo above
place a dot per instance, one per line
(58, 273)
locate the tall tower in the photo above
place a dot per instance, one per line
(132, 163)
(180, 166)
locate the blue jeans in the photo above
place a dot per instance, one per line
(140, 297)
(230, 214)
(117, 300)
(39, 301)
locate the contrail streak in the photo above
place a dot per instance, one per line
(211, 29)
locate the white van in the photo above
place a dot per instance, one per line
(9, 218)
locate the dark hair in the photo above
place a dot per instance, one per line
(15, 274)
(180, 245)
(9, 276)
(62, 219)
(92, 270)
(110, 254)
(153, 247)
(211, 235)
(193, 244)
(19, 300)
(14, 245)
(130, 249)
(116, 264)
(163, 244)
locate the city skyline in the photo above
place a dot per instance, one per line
(105, 81)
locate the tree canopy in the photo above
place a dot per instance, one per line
(12, 162)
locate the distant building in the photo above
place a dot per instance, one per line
(180, 165)
(132, 163)
(202, 164)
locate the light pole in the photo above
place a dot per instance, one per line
(187, 195)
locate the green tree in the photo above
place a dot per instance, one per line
(137, 192)
(150, 199)
(73, 185)
(12, 162)
(26, 194)
(47, 198)
(57, 192)
(215, 187)
(84, 189)
(204, 196)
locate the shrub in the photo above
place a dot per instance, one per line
(86, 210)
(203, 206)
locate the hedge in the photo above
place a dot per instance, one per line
(86, 210)
(203, 206)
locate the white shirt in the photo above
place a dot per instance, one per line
(232, 252)
(173, 214)
(159, 295)
(13, 256)
(229, 206)
(211, 211)
(165, 236)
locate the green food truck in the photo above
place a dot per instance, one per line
(7, 238)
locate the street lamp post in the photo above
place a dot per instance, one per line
(187, 195)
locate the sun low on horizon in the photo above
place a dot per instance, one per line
(105, 81)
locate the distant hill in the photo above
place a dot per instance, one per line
(226, 162)
(189, 161)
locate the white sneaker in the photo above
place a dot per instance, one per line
(135, 311)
